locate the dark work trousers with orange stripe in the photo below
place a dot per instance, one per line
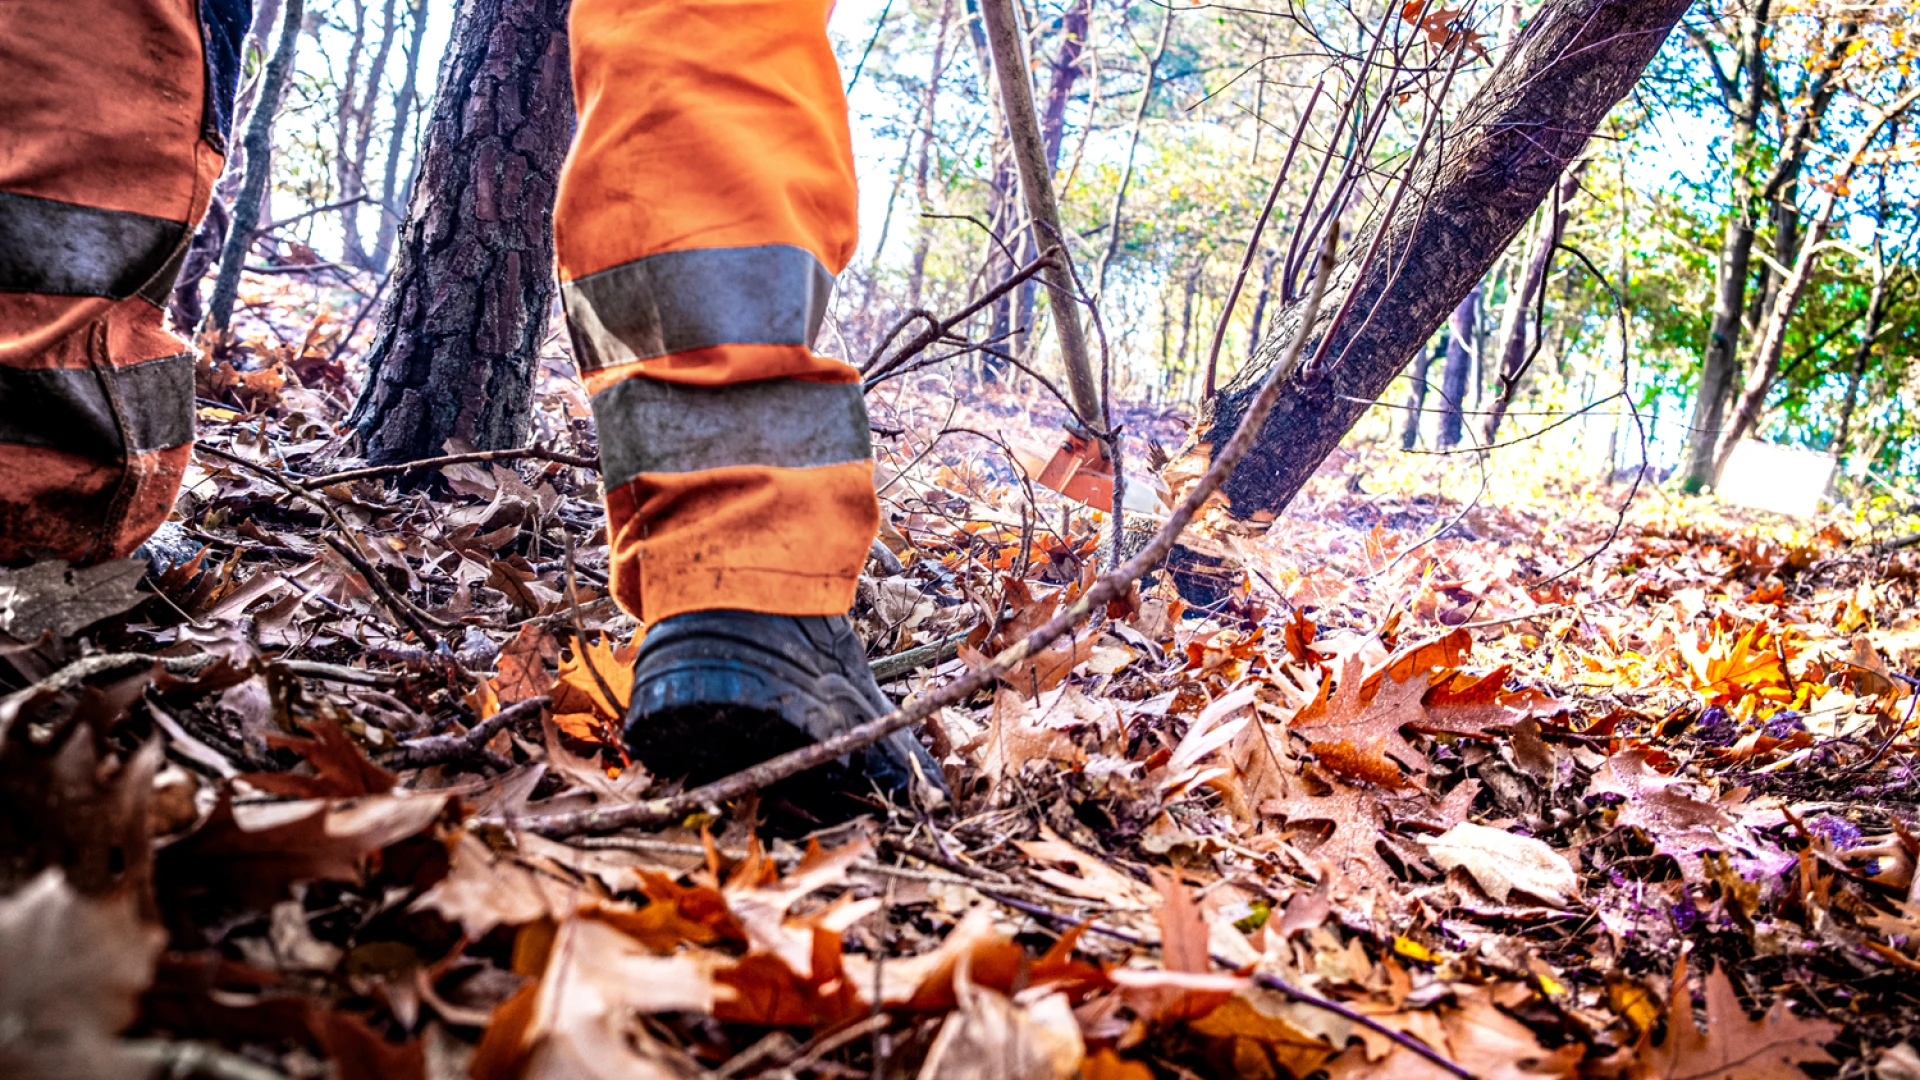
(706, 206)
(114, 116)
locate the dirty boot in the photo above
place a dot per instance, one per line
(717, 691)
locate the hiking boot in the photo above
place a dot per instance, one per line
(717, 691)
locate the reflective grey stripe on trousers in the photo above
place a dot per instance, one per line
(774, 294)
(648, 426)
(65, 249)
(71, 410)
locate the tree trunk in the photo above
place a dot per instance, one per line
(391, 209)
(1513, 353)
(356, 139)
(1036, 184)
(1457, 375)
(259, 170)
(923, 239)
(1862, 359)
(454, 352)
(1720, 363)
(1053, 130)
(1417, 389)
(1527, 123)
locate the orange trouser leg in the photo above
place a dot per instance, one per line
(110, 141)
(705, 208)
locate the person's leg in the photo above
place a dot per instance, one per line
(706, 206)
(113, 118)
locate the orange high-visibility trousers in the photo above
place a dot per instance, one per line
(705, 208)
(113, 121)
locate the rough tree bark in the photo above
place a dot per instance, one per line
(259, 170)
(1457, 375)
(1531, 118)
(454, 351)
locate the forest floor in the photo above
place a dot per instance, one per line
(1519, 783)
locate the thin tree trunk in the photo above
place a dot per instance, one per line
(259, 170)
(1036, 183)
(392, 210)
(923, 239)
(1260, 301)
(357, 121)
(1513, 353)
(1115, 216)
(1531, 118)
(1417, 388)
(1053, 128)
(1862, 359)
(454, 352)
(1457, 375)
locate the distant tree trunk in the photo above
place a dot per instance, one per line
(1513, 353)
(1456, 376)
(259, 170)
(355, 132)
(1531, 118)
(454, 351)
(1115, 215)
(1260, 301)
(1862, 359)
(1417, 389)
(1747, 103)
(392, 210)
(923, 238)
(1764, 365)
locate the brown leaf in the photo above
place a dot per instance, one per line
(483, 890)
(256, 851)
(78, 965)
(1678, 823)
(1367, 713)
(989, 1037)
(579, 1022)
(341, 769)
(525, 662)
(1732, 1047)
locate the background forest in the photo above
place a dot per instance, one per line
(1764, 249)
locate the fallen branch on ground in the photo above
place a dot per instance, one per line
(578, 461)
(466, 746)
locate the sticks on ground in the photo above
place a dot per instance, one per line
(578, 461)
(466, 746)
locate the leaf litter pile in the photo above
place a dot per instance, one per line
(1404, 786)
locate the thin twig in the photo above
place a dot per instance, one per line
(878, 370)
(578, 461)
(408, 614)
(405, 612)
(441, 749)
(1105, 589)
